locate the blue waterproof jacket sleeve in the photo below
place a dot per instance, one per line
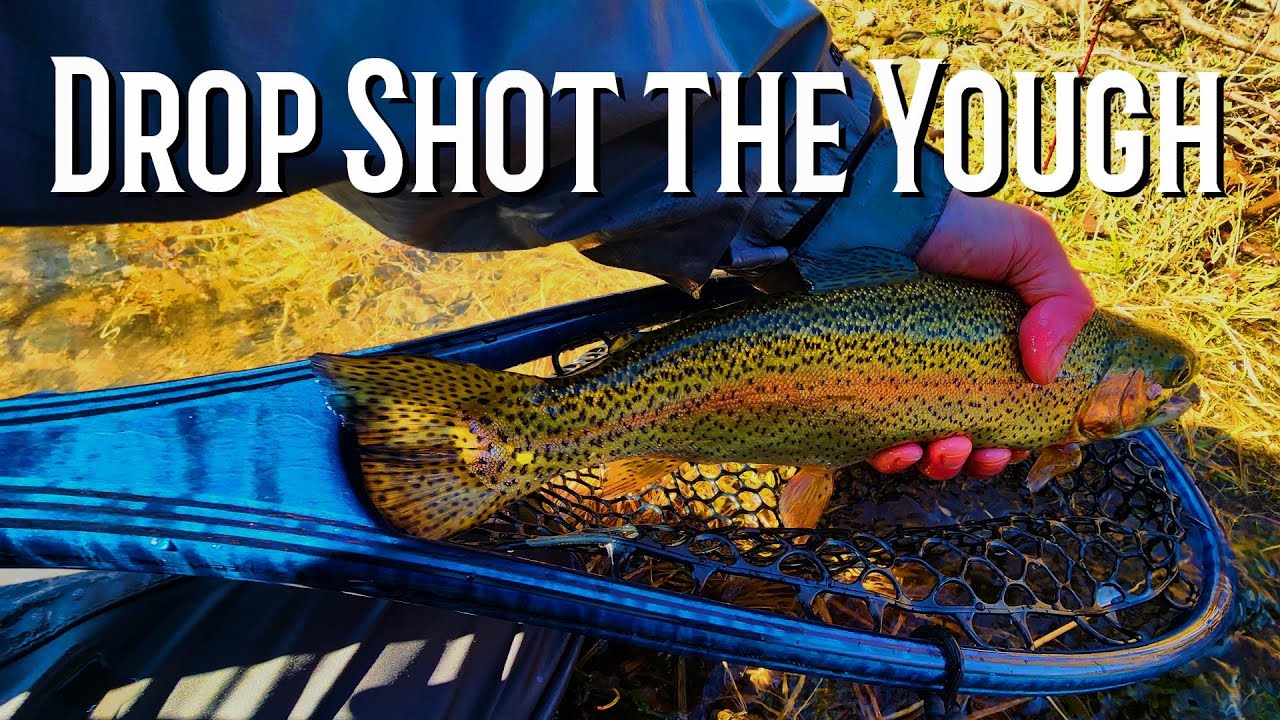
(631, 222)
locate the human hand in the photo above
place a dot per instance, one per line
(993, 241)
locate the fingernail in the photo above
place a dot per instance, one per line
(934, 473)
(992, 455)
(903, 462)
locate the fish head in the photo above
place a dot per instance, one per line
(1150, 381)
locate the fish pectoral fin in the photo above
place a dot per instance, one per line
(805, 497)
(630, 476)
(853, 267)
(1054, 461)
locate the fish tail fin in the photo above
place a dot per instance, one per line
(435, 450)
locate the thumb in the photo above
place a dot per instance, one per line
(1047, 332)
(1059, 301)
(985, 239)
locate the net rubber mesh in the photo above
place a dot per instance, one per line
(1094, 561)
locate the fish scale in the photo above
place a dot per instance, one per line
(802, 371)
(816, 380)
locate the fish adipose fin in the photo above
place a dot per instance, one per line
(433, 458)
(805, 497)
(630, 476)
(854, 268)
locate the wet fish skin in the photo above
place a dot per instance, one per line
(818, 380)
(824, 379)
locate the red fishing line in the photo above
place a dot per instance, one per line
(1088, 53)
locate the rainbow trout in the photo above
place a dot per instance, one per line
(818, 380)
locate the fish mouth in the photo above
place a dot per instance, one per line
(1191, 394)
(1175, 406)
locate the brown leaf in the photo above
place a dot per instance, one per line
(1233, 172)
(1267, 254)
(761, 678)
(1090, 223)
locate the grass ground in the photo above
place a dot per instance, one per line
(88, 307)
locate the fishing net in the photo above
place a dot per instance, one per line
(1096, 560)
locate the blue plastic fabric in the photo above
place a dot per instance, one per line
(242, 476)
(207, 648)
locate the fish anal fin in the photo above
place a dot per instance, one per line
(805, 497)
(631, 476)
(1054, 461)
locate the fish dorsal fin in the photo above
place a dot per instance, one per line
(855, 267)
(630, 476)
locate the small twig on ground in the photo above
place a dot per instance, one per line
(733, 683)
(1263, 205)
(1231, 95)
(1244, 100)
(1084, 64)
(791, 697)
(997, 709)
(1054, 704)
(1050, 637)
(1188, 20)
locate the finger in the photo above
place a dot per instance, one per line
(896, 459)
(945, 459)
(987, 462)
(1019, 456)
